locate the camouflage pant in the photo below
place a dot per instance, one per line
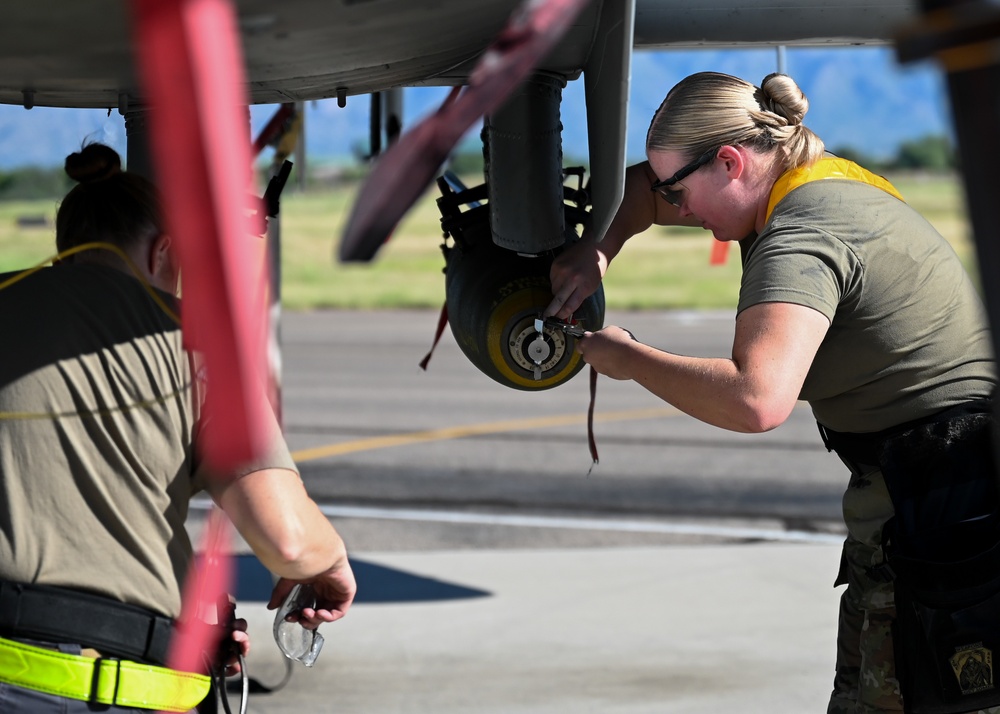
(865, 681)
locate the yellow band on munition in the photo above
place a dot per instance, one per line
(105, 681)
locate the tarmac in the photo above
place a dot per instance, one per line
(744, 626)
(692, 572)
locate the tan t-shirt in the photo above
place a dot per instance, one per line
(908, 334)
(98, 430)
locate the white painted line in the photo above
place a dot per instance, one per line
(591, 524)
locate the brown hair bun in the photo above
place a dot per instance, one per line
(93, 162)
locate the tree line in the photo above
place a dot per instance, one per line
(931, 153)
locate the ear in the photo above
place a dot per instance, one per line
(159, 254)
(733, 161)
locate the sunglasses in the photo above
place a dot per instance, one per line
(663, 187)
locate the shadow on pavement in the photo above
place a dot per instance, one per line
(376, 584)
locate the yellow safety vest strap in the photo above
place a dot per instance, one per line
(118, 682)
(826, 168)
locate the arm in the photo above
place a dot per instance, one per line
(578, 270)
(753, 392)
(292, 538)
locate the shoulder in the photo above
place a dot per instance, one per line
(802, 256)
(841, 207)
(82, 300)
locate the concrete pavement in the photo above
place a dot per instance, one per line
(496, 576)
(746, 627)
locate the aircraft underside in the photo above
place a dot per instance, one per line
(505, 232)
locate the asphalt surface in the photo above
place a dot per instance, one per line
(690, 570)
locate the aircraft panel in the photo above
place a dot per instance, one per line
(60, 53)
(720, 23)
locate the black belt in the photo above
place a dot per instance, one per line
(865, 448)
(51, 614)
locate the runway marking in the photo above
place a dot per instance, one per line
(590, 524)
(458, 432)
(569, 523)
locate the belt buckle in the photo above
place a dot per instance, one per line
(96, 680)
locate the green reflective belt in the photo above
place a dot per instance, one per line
(105, 681)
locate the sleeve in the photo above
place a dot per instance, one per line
(274, 452)
(800, 266)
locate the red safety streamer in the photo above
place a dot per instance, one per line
(442, 323)
(591, 440)
(405, 171)
(274, 128)
(196, 636)
(192, 71)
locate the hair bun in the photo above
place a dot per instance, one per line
(93, 162)
(780, 95)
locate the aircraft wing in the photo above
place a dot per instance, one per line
(72, 54)
(79, 54)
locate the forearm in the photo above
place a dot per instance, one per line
(282, 524)
(640, 209)
(713, 390)
(577, 272)
(753, 391)
(637, 212)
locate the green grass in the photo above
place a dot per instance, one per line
(22, 247)
(669, 268)
(663, 268)
(407, 271)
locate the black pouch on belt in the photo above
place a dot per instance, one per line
(943, 546)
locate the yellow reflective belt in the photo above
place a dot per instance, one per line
(119, 682)
(826, 168)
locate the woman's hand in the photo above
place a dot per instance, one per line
(237, 646)
(334, 590)
(608, 351)
(575, 275)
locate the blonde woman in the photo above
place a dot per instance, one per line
(849, 300)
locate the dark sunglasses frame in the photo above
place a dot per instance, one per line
(663, 187)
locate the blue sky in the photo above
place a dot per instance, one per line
(859, 97)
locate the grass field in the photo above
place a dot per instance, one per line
(663, 268)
